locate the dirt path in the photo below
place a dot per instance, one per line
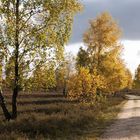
(127, 127)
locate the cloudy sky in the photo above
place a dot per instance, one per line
(125, 12)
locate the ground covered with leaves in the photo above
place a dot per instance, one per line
(53, 117)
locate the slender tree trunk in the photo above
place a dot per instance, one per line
(2, 102)
(98, 58)
(4, 108)
(14, 103)
(16, 79)
(64, 87)
(98, 66)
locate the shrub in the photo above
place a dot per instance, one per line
(83, 86)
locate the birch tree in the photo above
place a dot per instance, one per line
(30, 30)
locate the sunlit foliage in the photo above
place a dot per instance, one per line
(83, 85)
(103, 54)
(33, 32)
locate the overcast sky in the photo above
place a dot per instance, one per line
(125, 12)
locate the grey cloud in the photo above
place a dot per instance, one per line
(138, 53)
(125, 12)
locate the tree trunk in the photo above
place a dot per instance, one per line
(16, 78)
(14, 103)
(2, 102)
(65, 87)
(4, 108)
(98, 59)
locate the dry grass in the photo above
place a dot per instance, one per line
(52, 117)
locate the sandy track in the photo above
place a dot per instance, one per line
(127, 126)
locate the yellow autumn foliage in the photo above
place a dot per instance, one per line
(83, 86)
(103, 52)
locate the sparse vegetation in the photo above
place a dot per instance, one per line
(49, 116)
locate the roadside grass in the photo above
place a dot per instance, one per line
(51, 117)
